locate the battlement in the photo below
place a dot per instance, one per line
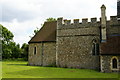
(64, 23)
(114, 21)
(113, 18)
(76, 21)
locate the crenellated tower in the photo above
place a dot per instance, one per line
(77, 43)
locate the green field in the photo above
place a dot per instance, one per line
(19, 69)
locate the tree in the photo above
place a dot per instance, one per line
(50, 19)
(24, 51)
(10, 49)
(7, 35)
(16, 50)
(36, 30)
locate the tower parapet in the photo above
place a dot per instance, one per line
(64, 23)
(84, 20)
(74, 41)
(113, 18)
(114, 21)
(93, 20)
(59, 22)
(76, 21)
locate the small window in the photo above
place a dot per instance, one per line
(95, 50)
(35, 50)
(114, 63)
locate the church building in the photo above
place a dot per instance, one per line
(83, 45)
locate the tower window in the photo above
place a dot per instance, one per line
(95, 50)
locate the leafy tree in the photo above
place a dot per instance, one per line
(36, 30)
(6, 53)
(7, 35)
(16, 50)
(24, 51)
(50, 19)
(10, 49)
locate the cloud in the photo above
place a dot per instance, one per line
(29, 9)
(21, 9)
(23, 16)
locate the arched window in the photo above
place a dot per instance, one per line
(95, 49)
(35, 50)
(114, 63)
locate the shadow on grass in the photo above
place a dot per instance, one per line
(26, 65)
(18, 64)
(33, 73)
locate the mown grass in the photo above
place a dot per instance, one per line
(0, 70)
(19, 69)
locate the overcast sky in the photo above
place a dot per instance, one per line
(21, 17)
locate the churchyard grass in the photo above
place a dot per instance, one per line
(19, 69)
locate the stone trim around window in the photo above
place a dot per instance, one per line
(114, 57)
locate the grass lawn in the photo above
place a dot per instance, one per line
(19, 69)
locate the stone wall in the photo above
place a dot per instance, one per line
(113, 26)
(49, 54)
(75, 44)
(45, 54)
(106, 63)
(35, 59)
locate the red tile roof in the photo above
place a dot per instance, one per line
(111, 47)
(46, 33)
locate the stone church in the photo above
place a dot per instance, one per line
(84, 45)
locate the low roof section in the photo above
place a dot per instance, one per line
(46, 34)
(111, 47)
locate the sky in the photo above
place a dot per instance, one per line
(22, 17)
